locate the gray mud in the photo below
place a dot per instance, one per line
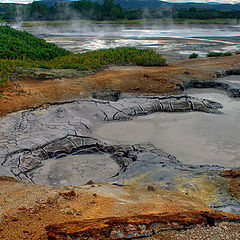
(194, 137)
(31, 137)
(76, 170)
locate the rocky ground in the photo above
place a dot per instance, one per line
(147, 192)
(36, 212)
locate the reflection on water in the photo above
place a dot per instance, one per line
(138, 31)
(179, 40)
(195, 138)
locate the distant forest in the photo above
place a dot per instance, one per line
(109, 10)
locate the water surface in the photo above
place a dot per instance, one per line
(175, 41)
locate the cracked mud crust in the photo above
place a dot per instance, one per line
(27, 93)
(30, 138)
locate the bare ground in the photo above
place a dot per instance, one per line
(27, 209)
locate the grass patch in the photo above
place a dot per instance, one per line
(100, 58)
(16, 44)
(206, 21)
(219, 54)
(193, 55)
(21, 50)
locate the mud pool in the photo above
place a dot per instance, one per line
(194, 137)
(76, 170)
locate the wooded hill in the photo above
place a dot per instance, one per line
(120, 9)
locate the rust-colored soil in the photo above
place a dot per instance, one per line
(25, 209)
(234, 182)
(28, 93)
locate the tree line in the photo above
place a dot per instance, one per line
(83, 9)
(108, 10)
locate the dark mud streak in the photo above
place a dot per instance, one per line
(106, 116)
(232, 89)
(118, 110)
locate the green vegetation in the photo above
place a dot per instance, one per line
(108, 10)
(219, 54)
(194, 13)
(54, 23)
(19, 45)
(21, 50)
(99, 58)
(84, 9)
(193, 55)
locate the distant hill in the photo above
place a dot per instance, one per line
(136, 4)
(50, 3)
(120, 9)
(160, 4)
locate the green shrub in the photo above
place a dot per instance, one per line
(227, 54)
(214, 54)
(23, 50)
(237, 52)
(16, 44)
(219, 54)
(96, 59)
(193, 55)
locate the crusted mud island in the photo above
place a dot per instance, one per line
(61, 182)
